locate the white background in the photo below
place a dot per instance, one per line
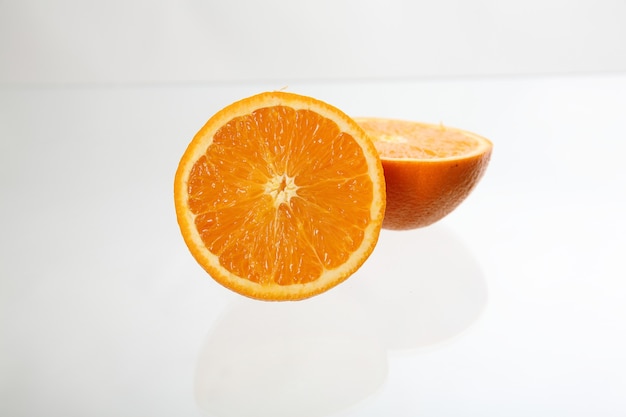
(513, 305)
(143, 41)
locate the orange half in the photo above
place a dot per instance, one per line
(280, 196)
(429, 169)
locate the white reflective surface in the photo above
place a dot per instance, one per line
(514, 305)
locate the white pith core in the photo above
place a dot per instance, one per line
(282, 188)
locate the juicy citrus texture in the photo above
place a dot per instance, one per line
(429, 169)
(280, 196)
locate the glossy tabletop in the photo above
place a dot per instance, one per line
(513, 305)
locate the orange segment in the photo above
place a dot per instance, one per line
(429, 169)
(280, 196)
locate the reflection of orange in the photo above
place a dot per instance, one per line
(280, 196)
(313, 359)
(442, 298)
(429, 169)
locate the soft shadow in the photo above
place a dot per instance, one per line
(421, 287)
(315, 357)
(309, 358)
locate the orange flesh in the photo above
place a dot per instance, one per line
(399, 139)
(302, 216)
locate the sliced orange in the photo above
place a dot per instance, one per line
(429, 169)
(280, 196)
